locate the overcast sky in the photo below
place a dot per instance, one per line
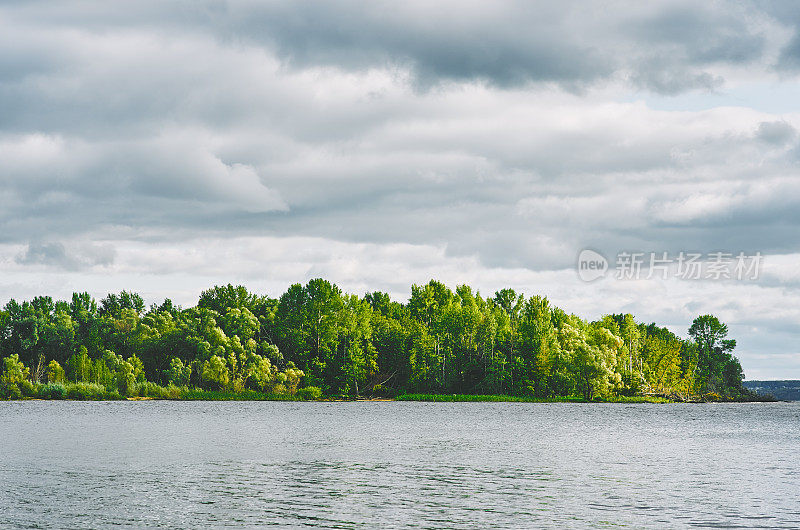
(165, 147)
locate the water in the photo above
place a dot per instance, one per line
(398, 465)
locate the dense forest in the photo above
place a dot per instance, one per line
(316, 340)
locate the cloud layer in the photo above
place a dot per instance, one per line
(276, 141)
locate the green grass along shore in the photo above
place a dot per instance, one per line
(151, 391)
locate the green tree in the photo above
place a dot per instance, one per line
(538, 346)
(79, 366)
(718, 370)
(178, 374)
(113, 304)
(14, 371)
(222, 298)
(215, 373)
(55, 373)
(14, 379)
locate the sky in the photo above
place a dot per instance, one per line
(166, 147)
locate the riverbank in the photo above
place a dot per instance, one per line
(152, 391)
(523, 399)
(147, 391)
(87, 392)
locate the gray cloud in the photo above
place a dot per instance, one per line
(666, 46)
(776, 132)
(56, 255)
(485, 143)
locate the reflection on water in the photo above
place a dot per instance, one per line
(398, 465)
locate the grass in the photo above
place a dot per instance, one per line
(196, 394)
(481, 397)
(523, 399)
(86, 392)
(637, 399)
(148, 390)
(144, 390)
(154, 391)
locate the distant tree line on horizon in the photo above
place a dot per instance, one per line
(318, 339)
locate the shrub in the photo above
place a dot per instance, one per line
(11, 391)
(152, 390)
(89, 391)
(27, 388)
(292, 377)
(53, 391)
(382, 391)
(310, 393)
(147, 389)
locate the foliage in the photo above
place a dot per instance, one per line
(14, 383)
(89, 392)
(152, 390)
(479, 397)
(53, 391)
(196, 394)
(178, 373)
(440, 342)
(14, 371)
(719, 372)
(216, 373)
(310, 393)
(55, 374)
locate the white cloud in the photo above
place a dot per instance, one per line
(166, 148)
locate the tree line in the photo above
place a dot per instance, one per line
(318, 339)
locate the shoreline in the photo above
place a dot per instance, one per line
(420, 398)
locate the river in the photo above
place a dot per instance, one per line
(398, 465)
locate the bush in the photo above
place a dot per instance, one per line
(310, 393)
(89, 391)
(195, 394)
(10, 391)
(53, 391)
(292, 376)
(152, 390)
(382, 391)
(27, 388)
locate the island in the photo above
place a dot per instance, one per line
(316, 342)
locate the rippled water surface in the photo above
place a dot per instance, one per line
(398, 465)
